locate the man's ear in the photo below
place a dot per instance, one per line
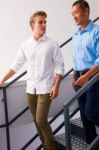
(32, 25)
(87, 11)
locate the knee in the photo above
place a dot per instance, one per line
(41, 123)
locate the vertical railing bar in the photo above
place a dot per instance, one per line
(67, 128)
(6, 119)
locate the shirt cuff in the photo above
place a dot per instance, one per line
(60, 72)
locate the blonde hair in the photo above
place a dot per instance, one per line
(35, 14)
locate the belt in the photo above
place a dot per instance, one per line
(79, 73)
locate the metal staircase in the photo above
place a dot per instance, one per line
(74, 127)
(78, 141)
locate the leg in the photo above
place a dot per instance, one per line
(89, 126)
(41, 118)
(92, 104)
(32, 102)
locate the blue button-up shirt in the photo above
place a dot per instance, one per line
(86, 47)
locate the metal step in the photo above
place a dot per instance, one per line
(77, 143)
(59, 146)
(77, 128)
(77, 136)
(78, 123)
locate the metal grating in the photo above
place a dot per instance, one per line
(78, 122)
(77, 143)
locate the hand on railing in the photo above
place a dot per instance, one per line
(81, 81)
(7, 76)
(1, 83)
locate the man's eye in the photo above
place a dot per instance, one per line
(41, 22)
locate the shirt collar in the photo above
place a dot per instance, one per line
(88, 28)
(41, 39)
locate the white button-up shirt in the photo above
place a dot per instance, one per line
(44, 60)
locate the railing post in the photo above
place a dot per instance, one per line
(6, 118)
(67, 128)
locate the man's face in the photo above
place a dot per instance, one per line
(79, 15)
(39, 25)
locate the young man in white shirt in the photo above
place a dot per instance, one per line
(45, 69)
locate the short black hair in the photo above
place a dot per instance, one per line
(83, 4)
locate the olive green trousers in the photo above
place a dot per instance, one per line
(39, 107)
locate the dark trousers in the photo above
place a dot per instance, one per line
(89, 109)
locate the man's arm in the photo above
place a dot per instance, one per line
(59, 70)
(84, 78)
(8, 75)
(55, 88)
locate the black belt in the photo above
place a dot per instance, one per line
(79, 73)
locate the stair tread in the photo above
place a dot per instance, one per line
(77, 121)
(77, 143)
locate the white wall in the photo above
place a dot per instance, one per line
(14, 26)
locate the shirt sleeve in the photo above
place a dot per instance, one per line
(58, 59)
(19, 61)
(97, 49)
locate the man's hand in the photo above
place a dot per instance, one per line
(7, 76)
(81, 81)
(54, 92)
(73, 83)
(1, 83)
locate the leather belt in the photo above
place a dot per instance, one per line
(79, 73)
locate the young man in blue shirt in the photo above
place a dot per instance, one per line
(86, 64)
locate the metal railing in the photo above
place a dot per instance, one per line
(68, 105)
(7, 122)
(94, 144)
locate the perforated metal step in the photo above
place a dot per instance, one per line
(77, 143)
(78, 122)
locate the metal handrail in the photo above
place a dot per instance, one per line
(2, 125)
(69, 103)
(14, 80)
(18, 115)
(94, 144)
